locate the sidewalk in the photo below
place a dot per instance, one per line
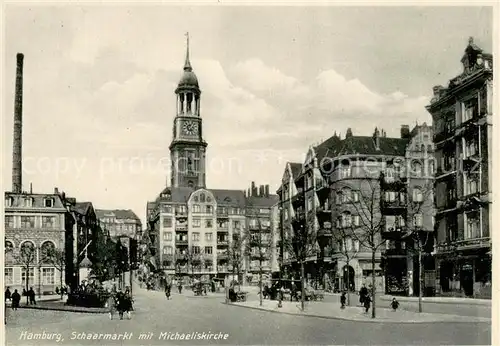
(333, 311)
(441, 300)
(60, 306)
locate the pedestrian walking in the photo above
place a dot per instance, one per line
(363, 292)
(343, 300)
(32, 295)
(16, 298)
(168, 289)
(111, 304)
(7, 294)
(394, 304)
(179, 287)
(367, 301)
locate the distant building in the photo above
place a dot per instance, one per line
(463, 123)
(120, 223)
(191, 228)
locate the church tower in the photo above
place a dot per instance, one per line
(187, 150)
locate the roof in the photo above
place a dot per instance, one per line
(117, 213)
(295, 167)
(265, 202)
(365, 145)
(324, 149)
(231, 197)
(18, 200)
(81, 208)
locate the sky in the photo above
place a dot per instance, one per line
(99, 85)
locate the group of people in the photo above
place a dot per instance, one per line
(365, 300)
(120, 301)
(15, 298)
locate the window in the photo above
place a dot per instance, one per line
(28, 202)
(253, 223)
(167, 236)
(9, 221)
(309, 204)
(196, 236)
(346, 195)
(8, 202)
(209, 209)
(48, 221)
(345, 171)
(355, 196)
(49, 202)
(195, 199)
(168, 250)
(9, 276)
(208, 250)
(347, 244)
(471, 148)
(346, 219)
(196, 208)
(236, 224)
(472, 226)
(416, 168)
(286, 214)
(390, 196)
(27, 221)
(355, 220)
(417, 220)
(402, 197)
(196, 223)
(393, 223)
(265, 211)
(202, 198)
(356, 245)
(417, 195)
(470, 109)
(31, 277)
(208, 236)
(167, 222)
(471, 183)
(167, 209)
(48, 276)
(196, 250)
(265, 223)
(339, 197)
(208, 223)
(390, 174)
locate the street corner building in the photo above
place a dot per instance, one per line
(198, 232)
(462, 114)
(334, 189)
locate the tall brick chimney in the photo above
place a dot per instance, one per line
(17, 150)
(267, 190)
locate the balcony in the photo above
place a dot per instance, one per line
(208, 257)
(181, 242)
(444, 135)
(475, 243)
(395, 253)
(222, 230)
(222, 256)
(395, 206)
(181, 227)
(222, 242)
(393, 233)
(222, 269)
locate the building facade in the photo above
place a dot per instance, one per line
(193, 230)
(34, 225)
(120, 223)
(462, 114)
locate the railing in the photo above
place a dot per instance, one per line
(181, 242)
(397, 204)
(222, 242)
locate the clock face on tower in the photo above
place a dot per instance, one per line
(190, 128)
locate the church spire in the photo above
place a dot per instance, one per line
(187, 64)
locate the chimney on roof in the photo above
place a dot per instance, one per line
(31, 188)
(405, 131)
(376, 139)
(17, 150)
(254, 189)
(267, 190)
(56, 191)
(261, 190)
(348, 133)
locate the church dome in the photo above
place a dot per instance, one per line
(188, 79)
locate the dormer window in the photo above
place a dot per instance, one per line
(49, 202)
(9, 201)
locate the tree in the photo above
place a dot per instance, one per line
(236, 252)
(368, 231)
(193, 259)
(343, 237)
(301, 244)
(27, 258)
(419, 205)
(121, 260)
(258, 243)
(57, 258)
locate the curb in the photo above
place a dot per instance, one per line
(466, 302)
(349, 319)
(64, 309)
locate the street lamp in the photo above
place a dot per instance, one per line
(323, 238)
